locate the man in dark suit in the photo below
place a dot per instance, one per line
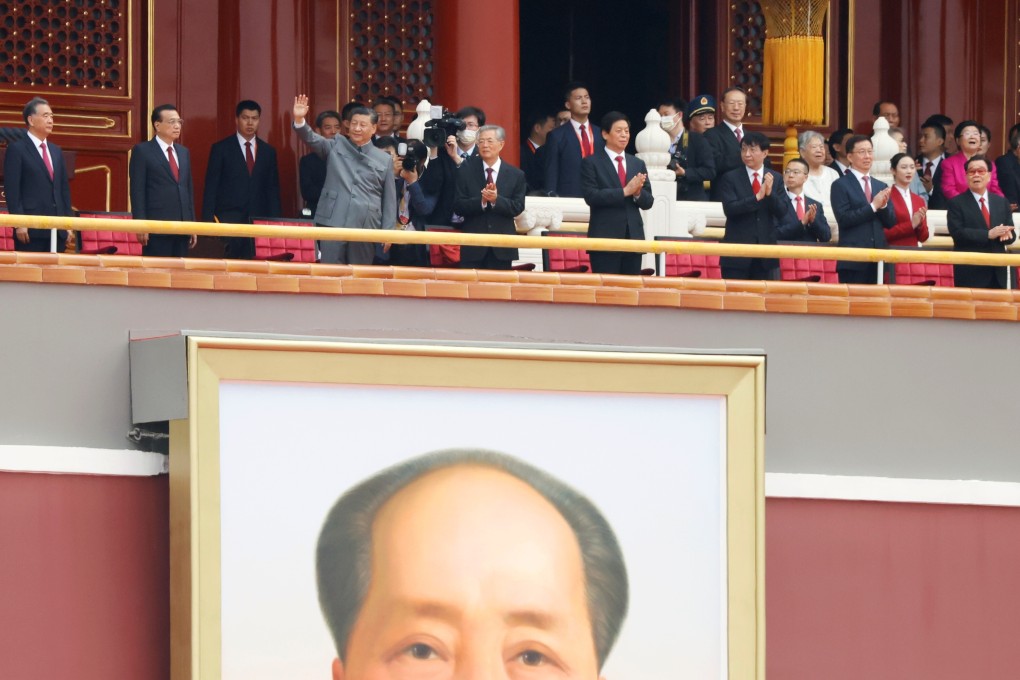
(242, 181)
(726, 138)
(615, 186)
(161, 184)
(970, 219)
(311, 168)
(806, 222)
(931, 142)
(837, 149)
(569, 144)
(862, 208)
(387, 109)
(691, 157)
(755, 205)
(35, 179)
(439, 180)
(490, 194)
(1008, 167)
(533, 149)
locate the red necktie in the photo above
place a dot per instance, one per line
(755, 184)
(620, 171)
(488, 176)
(984, 211)
(249, 158)
(740, 134)
(927, 170)
(585, 144)
(867, 187)
(46, 160)
(173, 164)
(800, 209)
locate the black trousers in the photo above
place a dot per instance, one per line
(488, 261)
(614, 263)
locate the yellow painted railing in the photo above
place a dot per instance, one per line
(505, 241)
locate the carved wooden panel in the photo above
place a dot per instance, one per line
(64, 46)
(391, 49)
(747, 51)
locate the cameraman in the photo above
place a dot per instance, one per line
(691, 156)
(439, 178)
(412, 204)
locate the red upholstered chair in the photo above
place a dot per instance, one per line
(924, 274)
(446, 256)
(108, 242)
(798, 269)
(687, 265)
(562, 259)
(285, 249)
(6, 236)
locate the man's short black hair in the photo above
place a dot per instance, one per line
(757, 139)
(963, 125)
(978, 157)
(535, 118)
(938, 119)
(472, 111)
(387, 101)
(31, 106)
(365, 111)
(837, 137)
(571, 86)
(733, 89)
(679, 104)
(876, 110)
(854, 140)
(799, 161)
(157, 113)
(387, 142)
(347, 111)
(247, 105)
(611, 119)
(937, 128)
(1014, 137)
(328, 113)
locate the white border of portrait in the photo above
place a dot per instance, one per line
(196, 622)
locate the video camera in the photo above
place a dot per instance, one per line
(441, 127)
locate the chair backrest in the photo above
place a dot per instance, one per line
(6, 236)
(924, 274)
(798, 269)
(686, 264)
(442, 255)
(269, 248)
(125, 242)
(564, 259)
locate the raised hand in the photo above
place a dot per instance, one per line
(300, 109)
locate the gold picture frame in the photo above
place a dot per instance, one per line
(195, 483)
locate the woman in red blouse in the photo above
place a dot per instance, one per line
(911, 228)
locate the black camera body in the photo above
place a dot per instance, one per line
(438, 129)
(678, 159)
(414, 158)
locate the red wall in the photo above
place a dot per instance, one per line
(892, 591)
(84, 577)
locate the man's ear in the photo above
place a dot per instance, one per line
(338, 669)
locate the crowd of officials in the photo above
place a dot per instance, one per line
(362, 173)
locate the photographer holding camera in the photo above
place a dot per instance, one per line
(450, 140)
(412, 205)
(691, 157)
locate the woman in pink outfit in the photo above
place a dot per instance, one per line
(954, 179)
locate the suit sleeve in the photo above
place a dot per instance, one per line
(1008, 183)
(420, 202)
(964, 234)
(274, 186)
(594, 195)
(512, 205)
(13, 166)
(732, 202)
(465, 201)
(189, 185)
(993, 184)
(137, 171)
(389, 201)
(65, 189)
(552, 163)
(305, 179)
(847, 214)
(644, 199)
(212, 183)
(820, 227)
(317, 143)
(778, 202)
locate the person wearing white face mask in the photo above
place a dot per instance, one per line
(691, 157)
(473, 118)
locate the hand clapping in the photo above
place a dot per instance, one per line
(634, 186)
(489, 193)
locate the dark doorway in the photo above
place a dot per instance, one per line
(621, 50)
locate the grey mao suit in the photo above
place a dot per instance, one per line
(359, 192)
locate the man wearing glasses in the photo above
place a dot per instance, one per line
(161, 185)
(971, 217)
(807, 221)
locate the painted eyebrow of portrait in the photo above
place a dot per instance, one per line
(438, 610)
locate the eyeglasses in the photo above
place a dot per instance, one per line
(173, 122)
(977, 171)
(794, 171)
